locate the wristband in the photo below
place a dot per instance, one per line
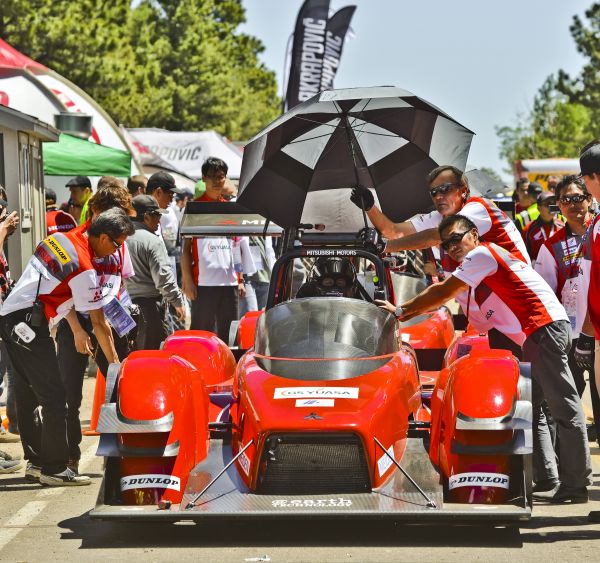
(399, 311)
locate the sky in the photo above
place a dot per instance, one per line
(480, 61)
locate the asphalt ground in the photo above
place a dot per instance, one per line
(52, 524)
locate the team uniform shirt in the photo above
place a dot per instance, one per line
(537, 233)
(494, 226)
(593, 301)
(492, 223)
(526, 302)
(58, 221)
(220, 261)
(563, 262)
(68, 276)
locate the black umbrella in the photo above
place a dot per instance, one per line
(382, 137)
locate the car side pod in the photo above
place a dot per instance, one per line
(210, 356)
(154, 428)
(481, 428)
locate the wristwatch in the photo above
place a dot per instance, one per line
(399, 311)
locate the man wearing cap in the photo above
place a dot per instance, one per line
(589, 163)
(81, 190)
(154, 285)
(542, 228)
(528, 200)
(161, 186)
(57, 220)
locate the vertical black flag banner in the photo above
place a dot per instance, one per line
(307, 52)
(337, 28)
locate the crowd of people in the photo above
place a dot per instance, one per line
(109, 278)
(113, 276)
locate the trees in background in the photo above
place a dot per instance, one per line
(566, 110)
(177, 64)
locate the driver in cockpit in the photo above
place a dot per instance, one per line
(331, 277)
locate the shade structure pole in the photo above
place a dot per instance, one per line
(353, 152)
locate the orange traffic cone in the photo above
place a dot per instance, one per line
(99, 392)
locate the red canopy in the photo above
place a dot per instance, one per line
(11, 58)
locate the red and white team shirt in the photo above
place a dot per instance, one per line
(564, 263)
(525, 301)
(492, 223)
(221, 261)
(593, 293)
(68, 276)
(496, 227)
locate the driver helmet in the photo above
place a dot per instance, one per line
(335, 277)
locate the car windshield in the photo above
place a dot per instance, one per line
(325, 338)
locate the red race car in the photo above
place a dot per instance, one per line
(325, 406)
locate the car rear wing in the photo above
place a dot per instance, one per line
(224, 219)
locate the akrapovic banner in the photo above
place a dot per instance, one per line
(307, 52)
(316, 51)
(337, 27)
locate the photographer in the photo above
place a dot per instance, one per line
(59, 279)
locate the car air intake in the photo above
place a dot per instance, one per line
(294, 464)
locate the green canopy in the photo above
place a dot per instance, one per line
(76, 157)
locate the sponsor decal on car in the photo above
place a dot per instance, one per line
(150, 481)
(315, 402)
(330, 252)
(384, 462)
(244, 463)
(312, 503)
(316, 393)
(498, 480)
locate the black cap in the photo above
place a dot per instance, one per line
(544, 196)
(79, 181)
(50, 194)
(162, 180)
(535, 189)
(589, 161)
(146, 204)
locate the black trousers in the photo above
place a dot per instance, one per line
(72, 366)
(215, 307)
(37, 383)
(154, 326)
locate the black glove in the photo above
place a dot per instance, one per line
(361, 193)
(372, 240)
(584, 352)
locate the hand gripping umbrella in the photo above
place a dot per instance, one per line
(383, 137)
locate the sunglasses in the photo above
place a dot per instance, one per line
(443, 189)
(455, 238)
(577, 198)
(115, 243)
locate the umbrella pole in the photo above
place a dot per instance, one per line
(353, 153)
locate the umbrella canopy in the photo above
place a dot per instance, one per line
(484, 185)
(76, 157)
(384, 138)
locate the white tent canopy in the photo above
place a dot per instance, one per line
(186, 151)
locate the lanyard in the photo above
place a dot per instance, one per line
(577, 249)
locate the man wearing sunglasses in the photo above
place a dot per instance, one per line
(564, 264)
(59, 279)
(543, 227)
(449, 191)
(523, 306)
